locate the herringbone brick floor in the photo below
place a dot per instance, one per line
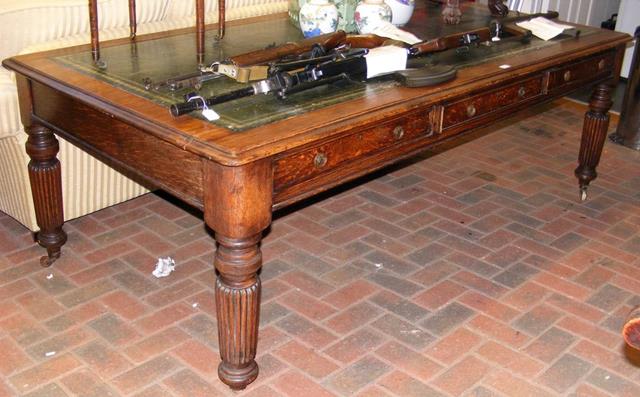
(471, 272)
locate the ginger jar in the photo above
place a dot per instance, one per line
(318, 17)
(370, 14)
(401, 11)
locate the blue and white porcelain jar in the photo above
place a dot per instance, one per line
(370, 14)
(318, 17)
(401, 11)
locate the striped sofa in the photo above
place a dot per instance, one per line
(34, 25)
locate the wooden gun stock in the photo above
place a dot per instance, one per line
(365, 40)
(428, 46)
(328, 41)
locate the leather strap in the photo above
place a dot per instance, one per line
(244, 74)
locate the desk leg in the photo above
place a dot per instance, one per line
(238, 308)
(46, 186)
(238, 208)
(594, 132)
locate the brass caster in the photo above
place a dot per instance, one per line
(583, 193)
(46, 261)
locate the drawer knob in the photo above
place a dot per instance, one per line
(601, 64)
(320, 160)
(567, 75)
(398, 132)
(471, 110)
(522, 92)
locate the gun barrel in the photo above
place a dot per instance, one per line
(526, 17)
(198, 103)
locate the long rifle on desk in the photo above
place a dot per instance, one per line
(283, 82)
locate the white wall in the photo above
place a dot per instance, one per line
(628, 20)
(585, 12)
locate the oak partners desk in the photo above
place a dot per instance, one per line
(265, 154)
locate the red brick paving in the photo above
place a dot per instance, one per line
(471, 272)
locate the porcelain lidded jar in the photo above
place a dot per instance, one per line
(371, 13)
(318, 17)
(401, 11)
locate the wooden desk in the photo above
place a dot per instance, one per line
(275, 153)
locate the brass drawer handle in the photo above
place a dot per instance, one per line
(567, 75)
(398, 132)
(471, 110)
(320, 160)
(601, 64)
(522, 92)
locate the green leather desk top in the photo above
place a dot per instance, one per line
(167, 57)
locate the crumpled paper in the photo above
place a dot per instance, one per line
(164, 267)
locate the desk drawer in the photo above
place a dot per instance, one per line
(308, 163)
(579, 72)
(482, 105)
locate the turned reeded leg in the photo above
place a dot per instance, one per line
(594, 132)
(237, 305)
(46, 186)
(237, 207)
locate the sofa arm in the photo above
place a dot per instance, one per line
(24, 23)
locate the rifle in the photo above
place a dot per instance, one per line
(283, 82)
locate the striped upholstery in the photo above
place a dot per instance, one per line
(88, 184)
(38, 25)
(15, 192)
